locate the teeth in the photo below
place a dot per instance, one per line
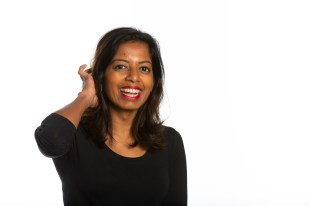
(131, 91)
(132, 95)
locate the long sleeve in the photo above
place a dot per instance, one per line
(55, 135)
(177, 195)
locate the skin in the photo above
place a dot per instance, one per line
(131, 66)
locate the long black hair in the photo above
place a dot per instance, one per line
(147, 128)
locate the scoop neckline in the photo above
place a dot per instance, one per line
(110, 151)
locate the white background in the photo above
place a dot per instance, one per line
(237, 89)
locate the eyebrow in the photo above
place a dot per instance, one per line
(124, 60)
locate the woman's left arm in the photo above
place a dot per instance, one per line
(177, 195)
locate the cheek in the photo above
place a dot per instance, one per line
(149, 82)
(110, 84)
(109, 90)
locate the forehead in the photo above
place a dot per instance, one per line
(137, 48)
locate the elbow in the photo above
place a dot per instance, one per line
(50, 144)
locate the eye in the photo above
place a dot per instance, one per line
(145, 69)
(120, 67)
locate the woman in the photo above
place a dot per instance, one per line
(108, 145)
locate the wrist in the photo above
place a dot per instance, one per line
(85, 98)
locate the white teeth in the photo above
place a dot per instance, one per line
(132, 95)
(131, 91)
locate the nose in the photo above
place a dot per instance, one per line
(133, 75)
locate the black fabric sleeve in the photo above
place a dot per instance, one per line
(177, 195)
(55, 135)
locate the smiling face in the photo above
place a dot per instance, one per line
(129, 76)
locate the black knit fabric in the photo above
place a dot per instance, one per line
(93, 176)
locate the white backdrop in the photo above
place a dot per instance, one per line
(237, 89)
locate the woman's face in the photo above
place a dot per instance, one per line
(129, 76)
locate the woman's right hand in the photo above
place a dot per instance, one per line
(88, 90)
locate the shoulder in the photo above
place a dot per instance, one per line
(174, 145)
(173, 137)
(170, 132)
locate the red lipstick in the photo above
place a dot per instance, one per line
(131, 92)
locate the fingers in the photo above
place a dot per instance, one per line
(84, 73)
(81, 68)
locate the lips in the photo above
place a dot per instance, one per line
(130, 92)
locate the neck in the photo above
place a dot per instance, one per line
(121, 125)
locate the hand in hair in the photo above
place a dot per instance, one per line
(88, 85)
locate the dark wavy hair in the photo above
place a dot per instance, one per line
(147, 128)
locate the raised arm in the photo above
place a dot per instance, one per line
(55, 134)
(86, 98)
